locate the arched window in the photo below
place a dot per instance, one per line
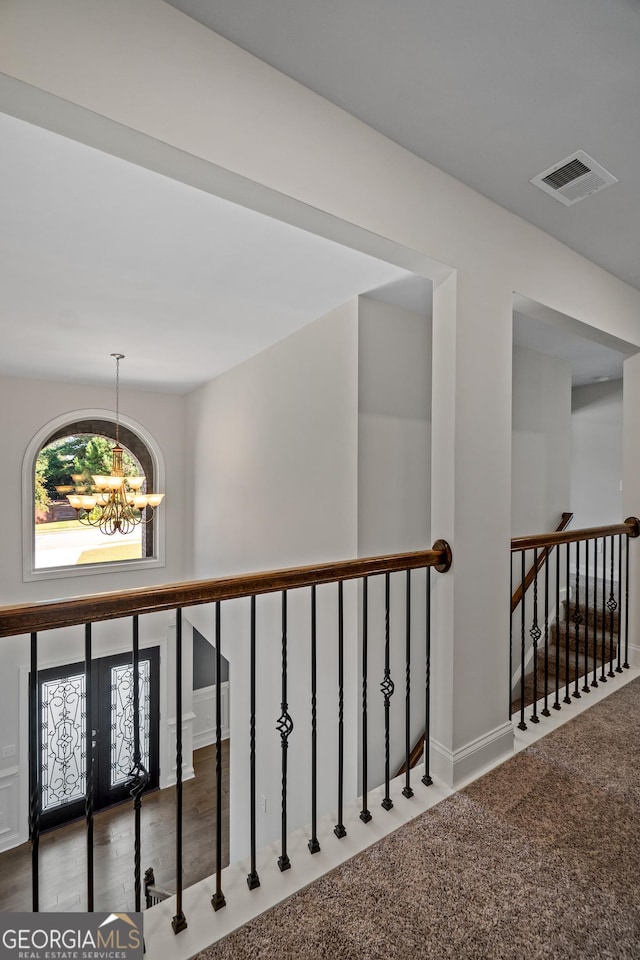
(62, 458)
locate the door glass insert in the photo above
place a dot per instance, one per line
(122, 719)
(63, 740)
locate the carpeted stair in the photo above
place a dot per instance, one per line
(594, 624)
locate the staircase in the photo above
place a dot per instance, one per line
(582, 646)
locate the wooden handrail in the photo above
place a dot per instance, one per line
(630, 527)
(565, 520)
(51, 614)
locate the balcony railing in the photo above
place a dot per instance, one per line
(372, 623)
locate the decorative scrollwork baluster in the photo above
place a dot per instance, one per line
(284, 727)
(594, 607)
(612, 606)
(535, 633)
(586, 688)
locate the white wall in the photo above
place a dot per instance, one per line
(394, 429)
(541, 442)
(394, 504)
(275, 484)
(596, 462)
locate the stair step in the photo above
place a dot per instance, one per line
(593, 616)
(584, 664)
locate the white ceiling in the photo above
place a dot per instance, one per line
(493, 92)
(102, 256)
(111, 257)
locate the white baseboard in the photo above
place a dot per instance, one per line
(457, 766)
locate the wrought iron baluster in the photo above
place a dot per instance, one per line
(218, 900)
(522, 725)
(611, 606)
(602, 678)
(387, 688)
(594, 607)
(89, 734)
(339, 828)
(619, 608)
(535, 633)
(545, 710)
(556, 704)
(284, 728)
(139, 776)
(511, 640)
(253, 880)
(586, 688)
(179, 921)
(426, 779)
(35, 774)
(314, 843)
(567, 627)
(406, 790)
(577, 621)
(365, 813)
(626, 606)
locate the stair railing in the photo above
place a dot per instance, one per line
(373, 574)
(592, 629)
(416, 751)
(536, 567)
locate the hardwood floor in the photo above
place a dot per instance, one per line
(63, 850)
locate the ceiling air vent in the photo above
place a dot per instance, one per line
(574, 178)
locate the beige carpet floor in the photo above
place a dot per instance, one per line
(538, 859)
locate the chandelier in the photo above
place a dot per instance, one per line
(116, 503)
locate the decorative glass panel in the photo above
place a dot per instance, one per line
(63, 740)
(122, 719)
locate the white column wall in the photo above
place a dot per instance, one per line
(631, 491)
(470, 508)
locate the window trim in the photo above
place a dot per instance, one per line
(38, 441)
